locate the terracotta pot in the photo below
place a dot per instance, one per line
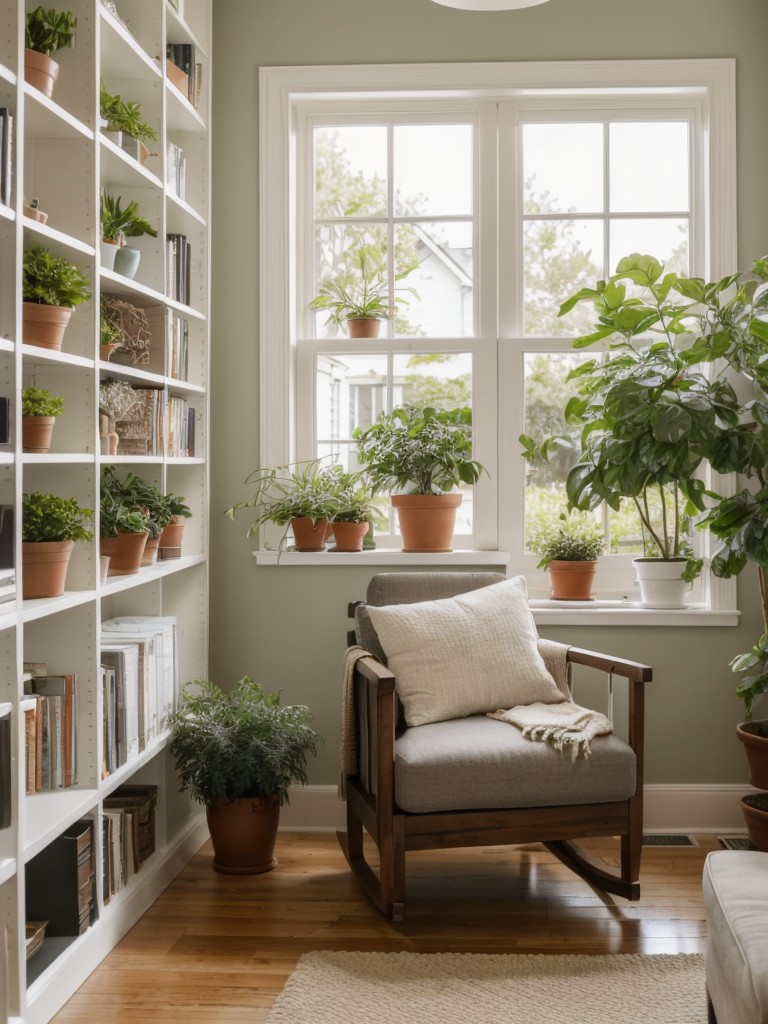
(44, 325)
(36, 434)
(426, 520)
(44, 567)
(571, 581)
(755, 809)
(150, 551)
(754, 736)
(171, 537)
(363, 327)
(349, 536)
(40, 71)
(125, 551)
(308, 536)
(107, 351)
(243, 833)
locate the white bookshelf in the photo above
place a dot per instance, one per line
(61, 156)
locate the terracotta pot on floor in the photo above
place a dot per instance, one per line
(754, 736)
(243, 833)
(755, 809)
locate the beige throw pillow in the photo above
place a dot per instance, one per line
(464, 655)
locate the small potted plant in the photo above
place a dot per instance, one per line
(117, 224)
(301, 495)
(124, 328)
(51, 289)
(124, 124)
(423, 454)
(238, 753)
(50, 525)
(138, 495)
(358, 510)
(39, 409)
(46, 32)
(569, 551)
(356, 300)
(171, 513)
(123, 532)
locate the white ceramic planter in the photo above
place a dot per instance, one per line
(108, 251)
(661, 582)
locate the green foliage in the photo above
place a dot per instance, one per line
(239, 744)
(39, 402)
(575, 538)
(48, 30)
(117, 514)
(47, 517)
(117, 223)
(755, 682)
(355, 501)
(139, 495)
(124, 117)
(298, 490)
(52, 280)
(419, 450)
(357, 293)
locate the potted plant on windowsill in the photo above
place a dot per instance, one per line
(357, 299)
(51, 289)
(50, 525)
(46, 32)
(423, 454)
(39, 409)
(238, 753)
(569, 551)
(358, 509)
(118, 224)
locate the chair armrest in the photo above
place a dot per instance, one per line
(374, 672)
(632, 670)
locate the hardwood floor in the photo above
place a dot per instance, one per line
(217, 949)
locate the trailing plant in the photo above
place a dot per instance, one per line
(52, 280)
(575, 538)
(124, 117)
(47, 517)
(127, 326)
(39, 402)
(48, 30)
(118, 223)
(419, 450)
(243, 743)
(298, 490)
(356, 502)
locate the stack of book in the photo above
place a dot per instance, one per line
(5, 765)
(177, 347)
(142, 433)
(178, 264)
(129, 834)
(139, 678)
(60, 882)
(49, 707)
(184, 70)
(176, 170)
(6, 155)
(180, 428)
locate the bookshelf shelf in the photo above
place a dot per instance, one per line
(60, 156)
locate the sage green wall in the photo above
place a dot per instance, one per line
(286, 626)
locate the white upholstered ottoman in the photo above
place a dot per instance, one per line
(735, 887)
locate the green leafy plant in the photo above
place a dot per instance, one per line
(52, 280)
(355, 500)
(243, 743)
(48, 30)
(124, 117)
(298, 490)
(47, 517)
(754, 666)
(361, 294)
(39, 402)
(135, 493)
(118, 223)
(419, 450)
(575, 538)
(115, 517)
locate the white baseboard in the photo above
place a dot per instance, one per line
(668, 808)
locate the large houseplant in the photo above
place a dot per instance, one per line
(51, 288)
(50, 525)
(238, 753)
(569, 551)
(648, 417)
(39, 409)
(422, 454)
(46, 31)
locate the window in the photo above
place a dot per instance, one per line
(480, 197)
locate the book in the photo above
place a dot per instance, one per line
(62, 689)
(142, 433)
(6, 156)
(121, 660)
(60, 882)
(5, 765)
(163, 631)
(30, 708)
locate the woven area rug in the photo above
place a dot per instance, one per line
(477, 988)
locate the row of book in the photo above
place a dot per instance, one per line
(49, 706)
(5, 765)
(177, 347)
(128, 835)
(139, 679)
(158, 425)
(176, 170)
(61, 882)
(178, 268)
(6, 155)
(184, 57)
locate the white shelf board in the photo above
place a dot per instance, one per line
(182, 116)
(7, 345)
(7, 869)
(132, 373)
(49, 813)
(59, 458)
(184, 387)
(7, 212)
(178, 31)
(42, 607)
(118, 168)
(56, 240)
(189, 311)
(179, 211)
(7, 75)
(37, 354)
(121, 54)
(167, 567)
(126, 771)
(44, 118)
(6, 458)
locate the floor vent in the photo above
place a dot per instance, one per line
(736, 843)
(669, 840)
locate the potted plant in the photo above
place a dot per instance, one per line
(46, 32)
(51, 288)
(356, 299)
(357, 510)
(137, 495)
(301, 495)
(124, 124)
(39, 409)
(648, 416)
(173, 510)
(124, 328)
(117, 224)
(123, 534)
(50, 525)
(423, 454)
(238, 753)
(569, 551)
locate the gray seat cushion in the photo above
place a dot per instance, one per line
(477, 762)
(735, 885)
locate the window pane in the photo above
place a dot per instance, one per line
(436, 296)
(350, 392)
(649, 166)
(439, 379)
(664, 238)
(351, 171)
(337, 262)
(563, 168)
(433, 169)
(559, 257)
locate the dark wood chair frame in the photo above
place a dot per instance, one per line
(371, 804)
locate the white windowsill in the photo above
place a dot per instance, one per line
(381, 556)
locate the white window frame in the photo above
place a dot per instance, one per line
(285, 96)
